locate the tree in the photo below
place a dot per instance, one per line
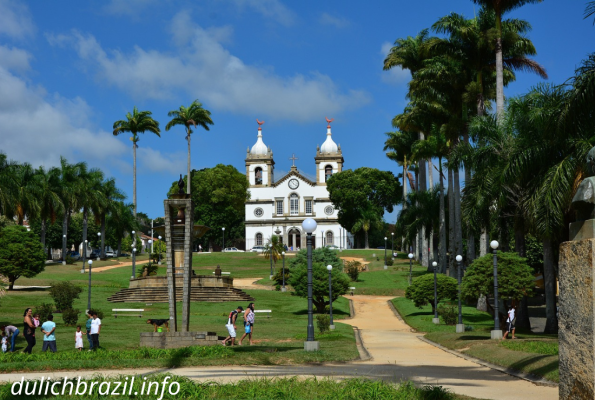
(219, 196)
(110, 199)
(320, 294)
(7, 190)
(21, 254)
(273, 249)
(421, 291)
(135, 123)
(69, 190)
(192, 116)
(590, 10)
(50, 204)
(121, 222)
(368, 218)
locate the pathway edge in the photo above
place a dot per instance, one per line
(364, 354)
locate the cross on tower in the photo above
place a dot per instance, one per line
(293, 158)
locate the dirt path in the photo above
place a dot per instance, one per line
(249, 283)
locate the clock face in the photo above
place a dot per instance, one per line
(294, 183)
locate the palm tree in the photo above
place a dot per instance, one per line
(7, 190)
(135, 123)
(273, 249)
(590, 10)
(69, 181)
(89, 195)
(25, 195)
(368, 218)
(50, 204)
(501, 7)
(192, 116)
(121, 221)
(399, 146)
(109, 197)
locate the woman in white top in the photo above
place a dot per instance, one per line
(248, 323)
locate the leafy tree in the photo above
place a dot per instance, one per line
(273, 249)
(194, 115)
(320, 294)
(50, 204)
(219, 197)
(64, 293)
(421, 291)
(135, 123)
(322, 255)
(21, 254)
(515, 277)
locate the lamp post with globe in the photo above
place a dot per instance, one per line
(460, 328)
(223, 230)
(89, 298)
(66, 250)
(435, 320)
(410, 266)
(283, 289)
(309, 226)
(330, 294)
(84, 256)
(392, 245)
(497, 332)
(159, 260)
(385, 266)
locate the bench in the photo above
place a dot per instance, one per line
(266, 311)
(137, 312)
(224, 273)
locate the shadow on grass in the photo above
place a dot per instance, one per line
(27, 289)
(264, 349)
(479, 318)
(528, 361)
(305, 312)
(474, 337)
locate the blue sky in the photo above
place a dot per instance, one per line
(69, 69)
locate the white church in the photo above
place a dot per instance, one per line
(278, 207)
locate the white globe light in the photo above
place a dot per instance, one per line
(90, 262)
(385, 238)
(98, 233)
(150, 241)
(222, 229)
(134, 249)
(459, 258)
(392, 234)
(329, 267)
(85, 240)
(434, 264)
(309, 225)
(159, 237)
(63, 236)
(410, 255)
(494, 244)
(133, 232)
(282, 253)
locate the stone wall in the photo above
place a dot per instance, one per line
(197, 280)
(174, 340)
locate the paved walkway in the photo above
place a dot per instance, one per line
(397, 354)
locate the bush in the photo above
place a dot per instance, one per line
(100, 313)
(421, 291)
(278, 277)
(44, 309)
(70, 317)
(151, 267)
(64, 293)
(352, 269)
(69, 260)
(323, 322)
(448, 313)
(278, 288)
(389, 262)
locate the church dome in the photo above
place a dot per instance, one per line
(329, 146)
(259, 148)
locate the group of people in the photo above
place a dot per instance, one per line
(48, 329)
(248, 319)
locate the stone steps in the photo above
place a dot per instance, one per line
(159, 295)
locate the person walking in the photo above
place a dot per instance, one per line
(12, 332)
(29, 330)
(78, 339)
(49, 339)
(248, 323)
(510, 322)
(88, 330)
(231, 325)
(95, 330)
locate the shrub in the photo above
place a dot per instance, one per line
(421, 291)
(70, 317)
(389, 262)
(278, 277)
(100, 313)
(352, 269)
(278, 288)
(320, 289)
(448, 313)
(64, 293)
(69, 260)
(323, 322)
(44, 309)
(151, 267)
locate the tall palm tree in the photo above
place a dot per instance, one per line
(69, 191)
(50, 204)
(398, 147)
(135, 123)
(25, 195)
(194, 115)
(7, 189)
(89, 195)
(501, 7)
(121, 221)
(109, 196)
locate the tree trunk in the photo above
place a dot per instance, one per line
(42, 236)
(133, 183)
(458, 222)
(11, 281)
(188, 177)
(523, 320)
(483, 243)
(549, 277)
(442, 244)
(499, 71)
(430, 174)
(85, 222)
(64, 232)
(405, 183)
(451, 226)
(366, 238)
(119, 247)
(102, 254)
(470, 234)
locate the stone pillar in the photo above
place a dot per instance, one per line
(577, 319)
(171, 268)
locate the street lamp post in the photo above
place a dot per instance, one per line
(330, 294)
(309, 226)
(497, 332)
(151, 253)
(410, 266)
(159, 262)
(283, 289)
(392, 245)
(84, 256)
(435, 320)
(64, 247)
(89, 298)
(100, 247)
(385, 266)
(223, 230)
(460, 326)
(133, 254)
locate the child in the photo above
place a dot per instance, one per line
(36, 320)
(4, 342)
(78, 338)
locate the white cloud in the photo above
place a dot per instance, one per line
(151, 160)
(206, 70)
(272, 9)
(127, 7)
(14, 59)
(336, 21)
(15, 20)
(395, 75)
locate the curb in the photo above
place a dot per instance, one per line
(364, 355)
(351, 309)
(521, 375)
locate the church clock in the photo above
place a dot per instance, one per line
(293, 184)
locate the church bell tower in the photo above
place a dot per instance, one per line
(329, 157)
(259, 162)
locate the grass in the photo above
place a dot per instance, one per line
(282, 388)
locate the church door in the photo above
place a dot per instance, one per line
(294, 239)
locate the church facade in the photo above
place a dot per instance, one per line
(278, 207)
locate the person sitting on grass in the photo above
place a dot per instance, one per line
(49, 339)
(231, 325)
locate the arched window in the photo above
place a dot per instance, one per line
(258, 176)
(294, 204)
(329, 237)
(259, 239)
(328, 171)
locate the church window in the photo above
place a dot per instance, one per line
(328, 171)
(258, 176)
(259, 239)
(329, 238)
(308, 206)
(294, 207)
(279, 207)
(259, 212)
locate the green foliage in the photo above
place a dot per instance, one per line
(352, 269)
(127, 244)
(323, 322)
(421, 291)
(64, 293)
(69, 260)
(515, 277)
(99, 313)
(448, 313)
(21, 253)
(44, 310)
(320, 289)
(273, 248)
(278, 277)
(322, 255)
(5, 221)
(549, 347)
(152, 270)
(70, 317)
(389, 262)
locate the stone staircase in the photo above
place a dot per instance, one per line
(159, 295)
